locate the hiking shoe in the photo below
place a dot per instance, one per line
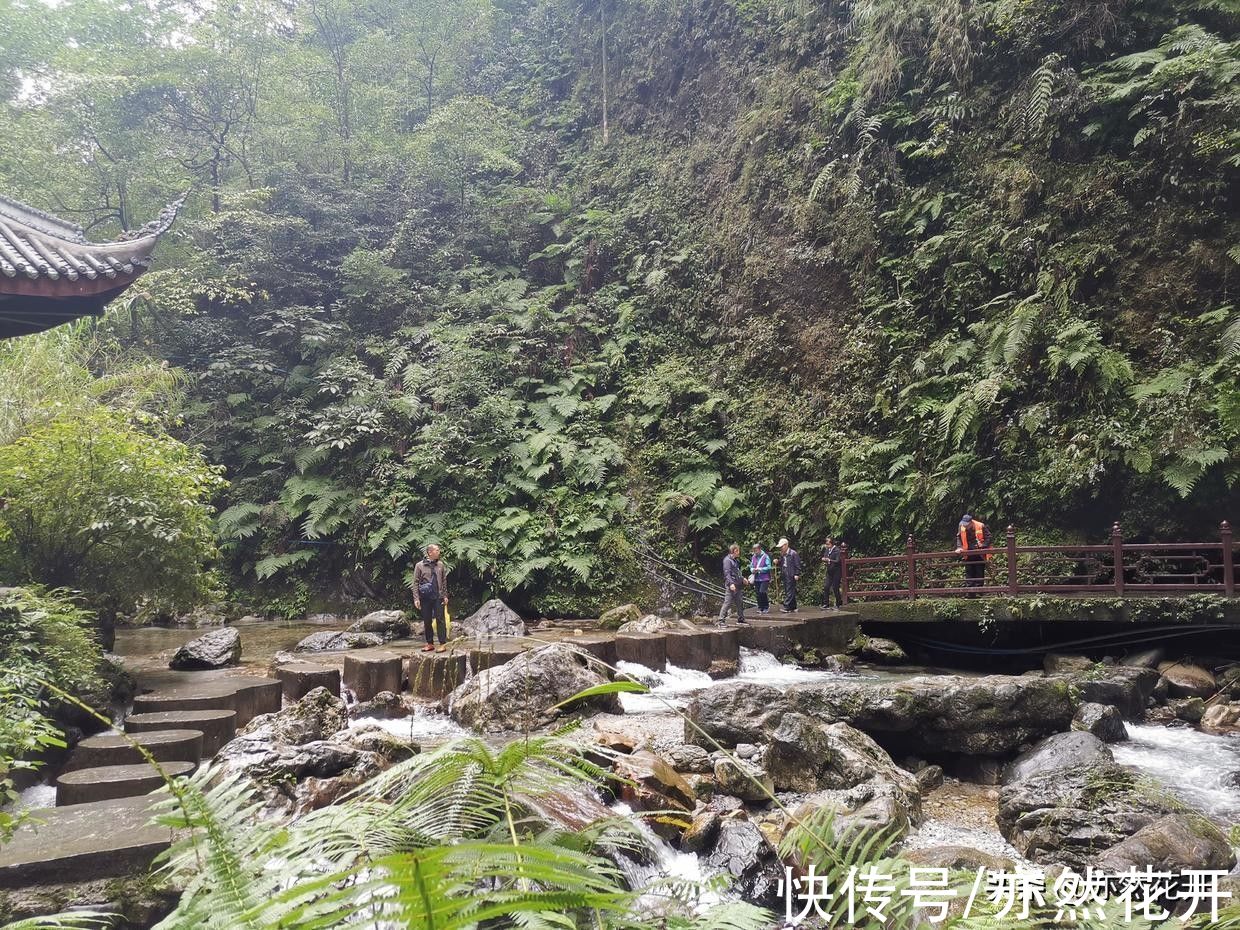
(441, 648)
(428, 648)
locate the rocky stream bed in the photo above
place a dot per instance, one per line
(1079, 764)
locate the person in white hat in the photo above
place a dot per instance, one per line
(790, 569)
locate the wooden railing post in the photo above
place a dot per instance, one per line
(1013, 586)
(844, 573)
(1117, 547)
(1229, 567)
(909, 546)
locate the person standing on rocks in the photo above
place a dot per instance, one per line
(760, 577)
(832, 558)
(733, 586)
(974, 535)
(430, 597)
(790, 569)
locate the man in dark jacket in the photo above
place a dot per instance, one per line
(833, 559)
(790, 571)
(733, 586)
(430, 597)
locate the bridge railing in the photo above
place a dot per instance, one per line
(1010, 569)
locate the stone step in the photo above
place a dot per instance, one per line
(648, 649)
(300, 678)
(436, 674)
(217, 726)
(115, 749)
(219, 694)
(83, 842)
(368, 674)
(114, 781)
(256, 696)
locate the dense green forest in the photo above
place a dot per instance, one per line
(553, 280)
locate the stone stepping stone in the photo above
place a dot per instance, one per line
(207, 695)
(83, 842)
(726, 644)
(648, 649)
(300, 678)
(686, 649)
(115, 749)
(600, 645)
(217, 726)
(368, 674)
(114, 781)
(256, 696)
(489, 654)
(435, 674)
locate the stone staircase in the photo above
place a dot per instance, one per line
(179, 726)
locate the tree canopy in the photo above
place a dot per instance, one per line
(549, 282)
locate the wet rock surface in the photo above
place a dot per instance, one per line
(301, 757)
(742, 852)
(524, 692)
(215, 649)
(883, 651)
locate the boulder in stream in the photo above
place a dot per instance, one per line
(524, 692)
(1187, 680)
(1127, 688)
(747, 856)
(883, 651)
(1102, 720)
(618, 616)
(215, 649)
(1067, 801)
(386, 624)
(329, 641)
(1173, 843)
(651, 623)
(494, 618)
(301, 757)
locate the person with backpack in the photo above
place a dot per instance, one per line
(430, 598)
(760, 577)
(733, 586)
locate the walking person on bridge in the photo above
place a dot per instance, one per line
(833, 559)
(733, 586)
(760, 577)
(790, 570)
(974, 535)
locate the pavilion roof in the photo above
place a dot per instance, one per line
(50, 273)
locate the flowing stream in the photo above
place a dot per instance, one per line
(1201, 769)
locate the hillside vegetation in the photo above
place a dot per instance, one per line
(552, 281)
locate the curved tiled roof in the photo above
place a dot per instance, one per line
(50, 273)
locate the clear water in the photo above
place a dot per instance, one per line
(1196, 767)
(35, 797)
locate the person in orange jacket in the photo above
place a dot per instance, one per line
(974, 535)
